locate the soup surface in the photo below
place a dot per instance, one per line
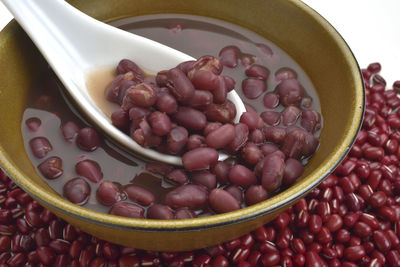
(49, 109)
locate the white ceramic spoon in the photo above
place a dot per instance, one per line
(75, 44)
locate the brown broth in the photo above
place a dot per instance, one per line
(200, 36)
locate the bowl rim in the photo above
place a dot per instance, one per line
(219, 220)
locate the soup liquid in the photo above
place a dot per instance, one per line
(193, 35)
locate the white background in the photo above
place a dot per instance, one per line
(370, 27)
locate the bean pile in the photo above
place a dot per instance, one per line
(351, 219)
(185, 111)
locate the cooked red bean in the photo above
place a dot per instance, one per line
(272, 118)
(206, 63)
(247, 59)
(220, 93)
(221, 171)
(51, 168)
(177, 176)
(252, 120)
(290, 115)
(293, 170)
(144, 135)
(271, 100)
(204, 80)
(177, 139)
(129, 210)
(285, 74)
(229, 56)
(120, 119)
(137, 114)
(204, 178)
(113, 91)
(195, 141)
(255, 194)
(190, 118)
(109, 193)
(242, 176)
(190, 196)
(221, 137)
(275, 134)
(293, 143)
(257, 71)
(141, 95)
(221, 113)
(257, 136)
(40, 147)
(230, 83)
(253, 88)
(272, 172)
(88, 139)
(126, 65)
(89, 169)
(69, 130)
(180, 85)
(241, 137)
(236, 192)
(221, 201)
(77, 191)
(167, 103)
(160, 212)
(211, 126)
(289, 92)
(310, 120)
(199, 158)
(268, 148)
(310, 146)
(186, 65)
(201, 99)
(184, 214)
(251, 153)
(140, 195)
(160, 123)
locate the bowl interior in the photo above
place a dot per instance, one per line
(291, 25)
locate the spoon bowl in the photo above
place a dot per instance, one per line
(75, 44)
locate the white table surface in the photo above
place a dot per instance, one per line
(370, 27)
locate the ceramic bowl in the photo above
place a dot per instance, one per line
(290, 24)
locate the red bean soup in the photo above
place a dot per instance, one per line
(182, 111)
